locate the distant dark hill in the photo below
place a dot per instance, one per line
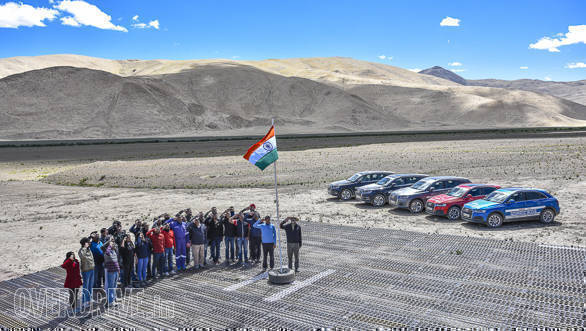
(440, 72)
(574, 91)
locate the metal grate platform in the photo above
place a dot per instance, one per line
(360, 278)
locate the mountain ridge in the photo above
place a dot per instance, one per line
(217, 97)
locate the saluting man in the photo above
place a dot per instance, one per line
(293, 231)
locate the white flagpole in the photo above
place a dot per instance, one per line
(277, 203)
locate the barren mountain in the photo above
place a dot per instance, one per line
(232, 98)
(336, 70)
(574, 91)
(66, 102)
(440, 72)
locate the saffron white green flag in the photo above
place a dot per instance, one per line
(264, 152)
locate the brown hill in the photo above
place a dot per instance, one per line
(218, 97)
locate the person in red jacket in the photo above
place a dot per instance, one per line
(169, 244)
(158, 241)
(72, 279)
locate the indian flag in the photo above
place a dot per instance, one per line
(264, 152)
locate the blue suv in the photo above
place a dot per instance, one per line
(512, 204)
(378, 194)
(415, 196)
(345, 189)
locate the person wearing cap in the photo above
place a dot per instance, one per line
(293, 231)
(269, 240)
(86, 262)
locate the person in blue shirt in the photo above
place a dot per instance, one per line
(269, 240)
(96, 248)
(179, 227)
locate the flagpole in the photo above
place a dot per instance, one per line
(277, 203)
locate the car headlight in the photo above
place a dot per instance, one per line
(402, 197)
(366, 191)
(440, 205)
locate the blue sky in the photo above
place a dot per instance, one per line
(491, 40)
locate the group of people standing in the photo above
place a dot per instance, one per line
(147, 252)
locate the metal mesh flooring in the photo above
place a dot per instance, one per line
(361, 278)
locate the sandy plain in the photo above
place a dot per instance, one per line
(49, 203)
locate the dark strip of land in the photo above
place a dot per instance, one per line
(170, 147)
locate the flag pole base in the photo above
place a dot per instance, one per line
(278, 276)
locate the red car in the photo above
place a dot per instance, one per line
(450, 204)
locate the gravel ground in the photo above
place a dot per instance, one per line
(41, 221)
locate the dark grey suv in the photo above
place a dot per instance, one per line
(345, 189)
(414, 197)
(378, 194)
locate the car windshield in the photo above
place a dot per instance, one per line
(354, 178)
(384, 181)
(457, 192)
(423, 184)
(498, 196)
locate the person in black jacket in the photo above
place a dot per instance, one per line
(293, 231)
(242, 236)
(127, 255)
(215, 233)
(143, 252)
(229, 234)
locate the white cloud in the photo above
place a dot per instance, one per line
(523, 68)
(450, 21)
(576, 34)
(575, 65)
(87, 14)
(455, 64)
(69, 21)
(385, 57)
(415, 69)
(141, 25)
(13, 15)
(547, 78)
(154, 24)
(457, 70)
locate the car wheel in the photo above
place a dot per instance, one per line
(494, 220)
(416, 206)
(547, 216)
(378, 200)
(346, 194)
(454, 213)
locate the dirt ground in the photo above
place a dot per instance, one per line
(40, 221)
